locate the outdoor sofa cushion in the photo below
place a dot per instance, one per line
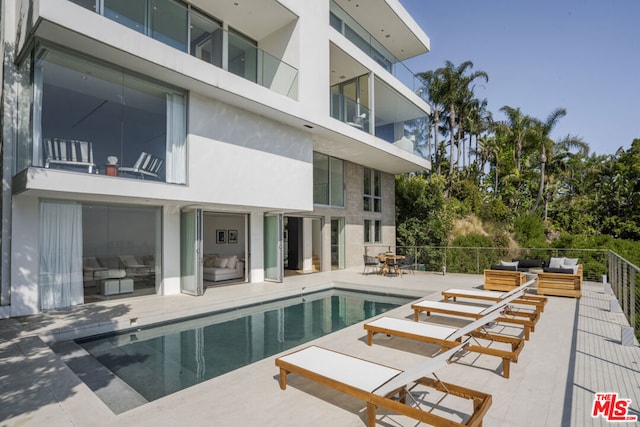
(529, 263)
(504, 267)
(558, 270)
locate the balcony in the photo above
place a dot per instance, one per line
(342, 22)
(392, 117)
(185, 28)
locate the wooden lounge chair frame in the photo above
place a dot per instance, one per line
(392, 394)
(510, 316)
(394, 327)
(497, 296)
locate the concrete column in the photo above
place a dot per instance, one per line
(170, 283)
(256, 245)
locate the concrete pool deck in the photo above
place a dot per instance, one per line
(574, 353)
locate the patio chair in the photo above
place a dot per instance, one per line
(146, 165)
(370, 262)
(377, 384)
(68, 153)
(449, 337)
(496, 296)
(510, 316)
(407, 263)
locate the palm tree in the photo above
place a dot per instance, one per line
(455, 87)
(545, 145)
(434, 88)
(562, 164)
(518, 128)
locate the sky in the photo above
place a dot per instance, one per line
(581, 55)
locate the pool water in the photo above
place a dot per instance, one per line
(161, 360)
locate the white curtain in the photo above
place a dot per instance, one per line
(176, 139)
(60, 254)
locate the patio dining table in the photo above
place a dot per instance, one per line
(389, 263)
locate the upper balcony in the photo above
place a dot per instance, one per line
(368, 103)
(235, 40)
(398, 36)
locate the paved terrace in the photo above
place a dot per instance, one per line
(574, 353)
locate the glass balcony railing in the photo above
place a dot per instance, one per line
(414, 138)
(350, 112)
(178, 25)
(254, 64)
(354, 32)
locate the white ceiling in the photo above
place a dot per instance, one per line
(255, 18)
(389, 23)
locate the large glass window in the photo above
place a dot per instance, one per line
(95, 118)
(372, 231)
(121, 249)
(328, 180)
(372, 190)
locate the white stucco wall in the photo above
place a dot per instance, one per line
(25, 265)
(243, 159)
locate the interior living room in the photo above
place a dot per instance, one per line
(120, 249)
(224, 243)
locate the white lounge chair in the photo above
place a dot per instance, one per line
(146, 165)
(68, 153)
(497, 296)
(525, 319)
(449, 337)
(378, 384)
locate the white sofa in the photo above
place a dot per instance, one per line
(217, 268)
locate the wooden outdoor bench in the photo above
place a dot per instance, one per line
(503, 280)
(560, 284)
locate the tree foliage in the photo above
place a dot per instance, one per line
(516, 177)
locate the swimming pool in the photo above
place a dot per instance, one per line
(160, 360)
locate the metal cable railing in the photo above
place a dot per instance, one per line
(623, 277)
(599, 265)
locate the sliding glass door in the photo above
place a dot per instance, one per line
(191, 252)
(273, 257)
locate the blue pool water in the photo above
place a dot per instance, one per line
(161, 360)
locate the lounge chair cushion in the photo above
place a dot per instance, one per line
(352, 371)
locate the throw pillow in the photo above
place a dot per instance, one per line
(556, 262)
(570, 261)
(221, 262)
(509, 264)
(209, 261)
(571, 267)
(232, 261)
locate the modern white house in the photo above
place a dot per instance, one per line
(162, 146)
